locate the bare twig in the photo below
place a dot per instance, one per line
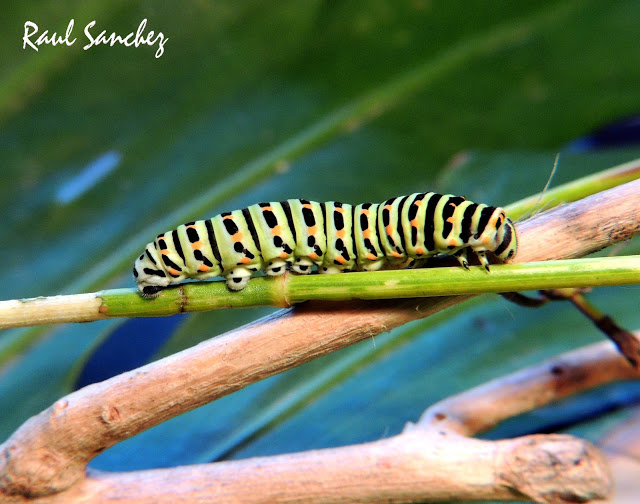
(430, 461)
(581, 228)
(416, 466)
(628, 344)
(49, 453)
(525, 300)
(482, 408)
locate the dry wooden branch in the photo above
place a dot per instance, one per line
(49, 453)
(481, 408)
(428, 462)
(417, 466)
(581, 228)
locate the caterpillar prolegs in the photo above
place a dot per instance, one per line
(334, 237)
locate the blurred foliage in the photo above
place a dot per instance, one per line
(268, 100)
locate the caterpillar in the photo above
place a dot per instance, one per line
(333, 237)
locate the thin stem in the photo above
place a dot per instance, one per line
(289, 290)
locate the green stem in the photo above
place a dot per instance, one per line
(283, 291)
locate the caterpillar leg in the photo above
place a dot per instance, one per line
(150, 291)
(463, 259)
(238, 278)
(373, 266)
(482, 257)
(276, 267)
(302, 266)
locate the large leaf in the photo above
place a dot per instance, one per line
(268, 100)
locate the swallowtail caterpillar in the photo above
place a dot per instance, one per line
(331, 237)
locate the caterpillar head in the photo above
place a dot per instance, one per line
(150, 277)
(506, 240)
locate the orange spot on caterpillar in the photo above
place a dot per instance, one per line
(450, 220)
(313, 255)
(365, 211)
(339, 209)
(366, 233)
(453, 242)
(486, 240)
(340, 233)
(277, 231)
(312, 230)
(414, 223)
(396, 254)
(371, 257)
(174, 271)
(164, 251)
(307, 205)
(420, 251)
(284, 255)
(341, 259)
(237, 237)
(203, 268)
(245, 260)
(389, 230)
(196, 245)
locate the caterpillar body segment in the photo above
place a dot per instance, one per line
(311, 239)
(369, 253)
(340, 254)
(331, 237)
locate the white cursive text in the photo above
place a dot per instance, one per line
(136, 38)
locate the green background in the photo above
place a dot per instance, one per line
(253, 101)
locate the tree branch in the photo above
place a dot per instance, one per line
(416, 466)
(430, 461)
(482, 408)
